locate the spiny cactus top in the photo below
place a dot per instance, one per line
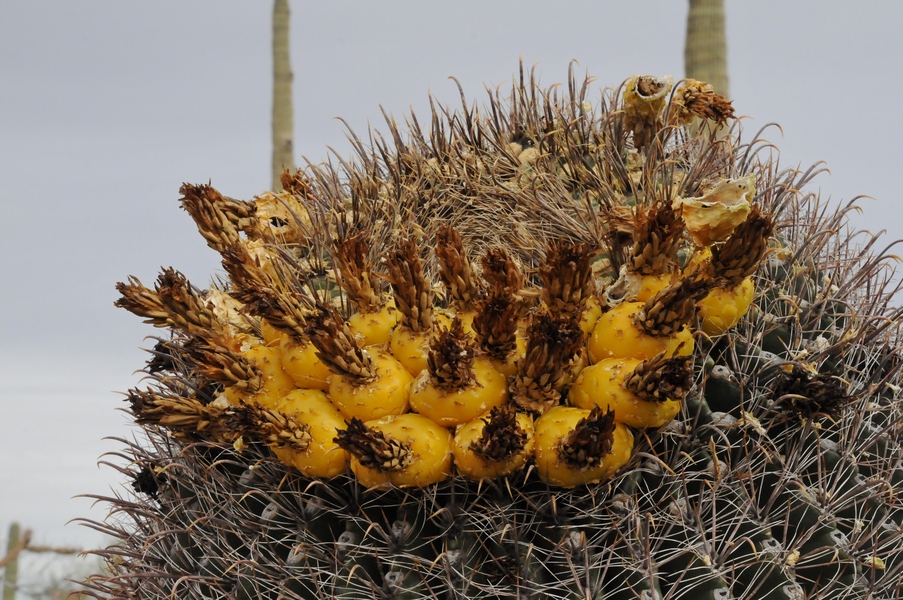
(547, 348)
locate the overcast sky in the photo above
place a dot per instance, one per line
(106, 107)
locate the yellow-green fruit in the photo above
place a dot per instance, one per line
(323, 458)
(387, 395)
(469, 464)
(430, 444)
(301, 363)
(553, 427)
(602, 384)
(374, 328)
(723, 308)
(616, 336)
(488, 389)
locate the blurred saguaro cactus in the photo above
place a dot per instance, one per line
(283, 155)
(705, 52)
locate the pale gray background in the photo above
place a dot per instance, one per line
(107, 107)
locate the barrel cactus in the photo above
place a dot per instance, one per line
(541, 348)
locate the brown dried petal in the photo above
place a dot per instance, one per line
(590, 441)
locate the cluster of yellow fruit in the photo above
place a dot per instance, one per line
(490, 374)
(502, 374)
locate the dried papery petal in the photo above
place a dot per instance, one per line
(337, 347)
(644, 98)
(413, 293)
(696, 98)
(356, 272)
(739, 256)
(551, 345)
(450, 358)
(590, 441)
(495, 325)
(502, 437)
(374, 449)
(455, 269)
(660, 379)
(711, 217)
(567, 278)
(674, 307)
(279, 217)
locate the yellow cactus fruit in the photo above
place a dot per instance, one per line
(643, 330)
(275, 382)
(590, 316)
(410, 348)
(616, 335)
(365, 383)
(555, 349)
(271, 335)
(723, 308)
(574, 446)
(374, 328)
(650, 285)
(407, 450)
(495, 330)
(452, 406)
(634, 287)
(657, 236)
(301, 363)
(373, 322)
(386, 394)
(456, 387)
(641, 393)
(730, 265)
(323, 457)
(494, 445)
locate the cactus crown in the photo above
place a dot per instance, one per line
(753, 348)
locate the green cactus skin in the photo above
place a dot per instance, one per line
(753, 492)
